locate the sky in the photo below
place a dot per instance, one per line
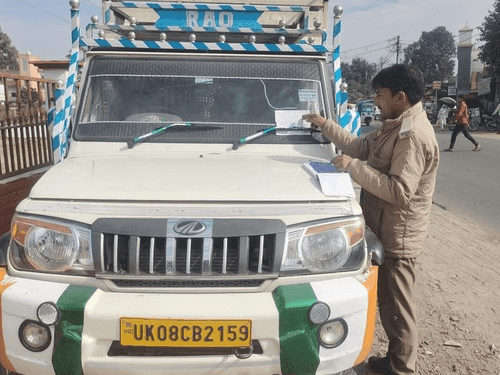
(42, 27)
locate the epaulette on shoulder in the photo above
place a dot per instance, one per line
(406, 128)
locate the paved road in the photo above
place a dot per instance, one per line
(468, 183)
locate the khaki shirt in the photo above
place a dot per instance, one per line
(398, 179)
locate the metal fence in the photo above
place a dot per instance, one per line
(25, 141)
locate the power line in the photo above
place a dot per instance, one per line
(93, 4)
(364, 53)
(352, 52)
(41, 10)
(400, 43)
(465, 40)
(370, 45)
(387, 58)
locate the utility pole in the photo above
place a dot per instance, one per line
(366, 78)
(397, 51)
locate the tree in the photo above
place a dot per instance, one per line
(490, 34)
(358, 75)
(8, 53)
(433, 54)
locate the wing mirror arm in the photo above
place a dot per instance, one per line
(375, 247)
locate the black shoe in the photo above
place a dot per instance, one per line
(449, 150)
(380, 365)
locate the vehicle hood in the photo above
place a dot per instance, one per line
(193, 177)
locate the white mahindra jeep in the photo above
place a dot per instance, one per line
(171, 240)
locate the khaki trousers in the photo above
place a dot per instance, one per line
(396, 298)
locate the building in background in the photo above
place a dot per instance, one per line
(30, 67)
(464, 53)
(26, 69)
(53, 69)
(26, 66)
(472, 77)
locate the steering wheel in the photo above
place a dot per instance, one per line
(155, 114)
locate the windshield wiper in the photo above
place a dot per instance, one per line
(250, 138)
(132, 142)
(267, 131)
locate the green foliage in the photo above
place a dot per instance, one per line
(490, 34)
(8, 53)
(358, 75)
(433, 54)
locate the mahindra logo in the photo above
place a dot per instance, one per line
(189, 227)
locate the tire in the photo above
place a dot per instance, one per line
(3, 371)
(491, 126)
(367, 121)
(473, 126)
(378, 117)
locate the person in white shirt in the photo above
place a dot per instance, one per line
(442, 116)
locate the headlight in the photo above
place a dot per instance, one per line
(50, 246)
(34, 336)
(332, 333)
(325, 247)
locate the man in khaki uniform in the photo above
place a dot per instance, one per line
(398, 181)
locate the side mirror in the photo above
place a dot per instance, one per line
(374, 247)
(4, 244)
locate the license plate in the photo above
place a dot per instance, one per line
(185, 333)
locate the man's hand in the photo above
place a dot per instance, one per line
(315, 120)
(342, 162)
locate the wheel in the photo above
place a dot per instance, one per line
(473, 126)
(367, 121)
(3, 371)
(491, 125)
(154, 113)
(378, 117)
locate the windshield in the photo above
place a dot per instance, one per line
(367, 107)
(126, 97)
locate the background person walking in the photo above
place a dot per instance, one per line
(442, 116)
(462, 124)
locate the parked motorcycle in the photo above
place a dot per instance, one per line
(473, 126)
(492, 123)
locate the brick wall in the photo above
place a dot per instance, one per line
(11, 193)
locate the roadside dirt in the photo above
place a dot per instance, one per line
(458, 299)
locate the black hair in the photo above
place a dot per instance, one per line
(400, 77)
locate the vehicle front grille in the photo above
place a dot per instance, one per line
(118, 350)
(174, 249)
(245, 283)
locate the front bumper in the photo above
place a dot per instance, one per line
(90, 327)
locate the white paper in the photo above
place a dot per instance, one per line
(308, 95)
(291, 118)
(203, 80)
(336, 184)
